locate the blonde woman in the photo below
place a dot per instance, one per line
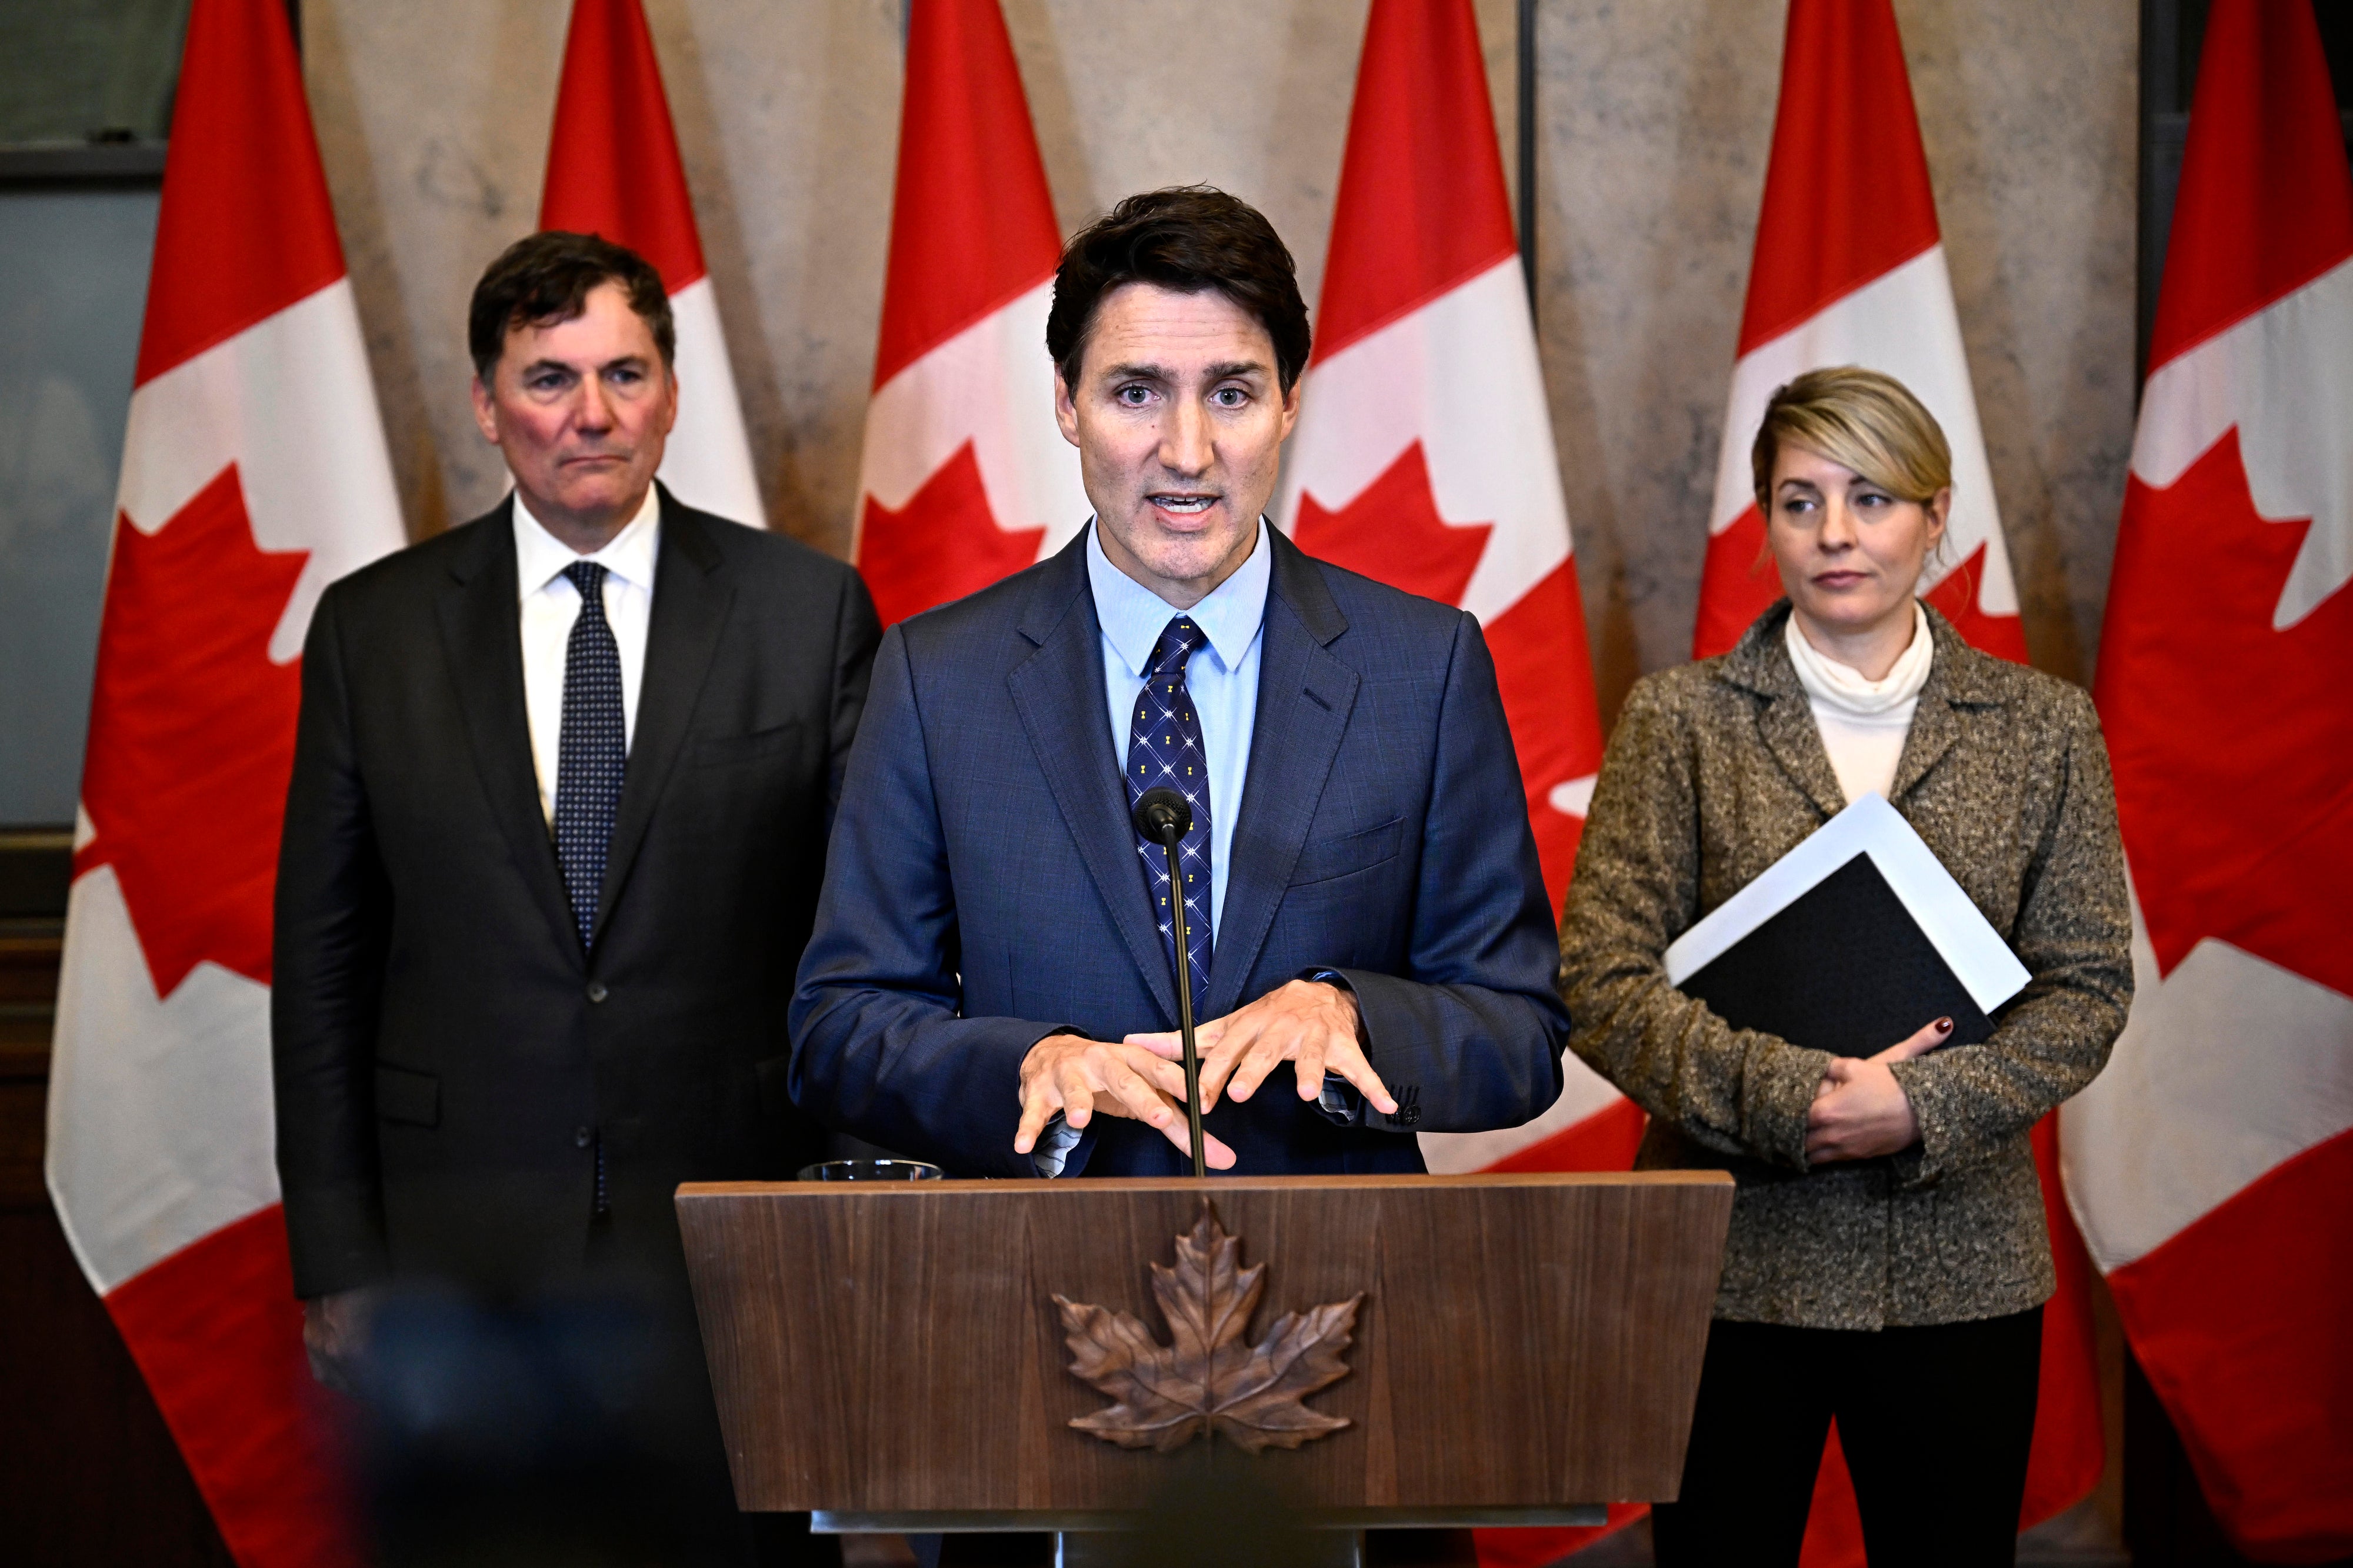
(1888, 1261)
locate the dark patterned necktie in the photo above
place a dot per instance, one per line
(590, 750)
(1164, 747)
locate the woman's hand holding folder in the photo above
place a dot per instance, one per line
(1859, 1111)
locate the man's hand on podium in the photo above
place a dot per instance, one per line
(1311, 1024)
(1080, 1076)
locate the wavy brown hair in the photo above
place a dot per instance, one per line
(1186, 239)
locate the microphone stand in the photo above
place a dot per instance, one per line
(1170, 834)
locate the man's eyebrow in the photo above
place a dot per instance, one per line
(1161, 372)
(618, 361)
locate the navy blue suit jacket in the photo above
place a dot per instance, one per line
(983, 888)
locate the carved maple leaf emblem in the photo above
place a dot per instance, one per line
(1207, 1379)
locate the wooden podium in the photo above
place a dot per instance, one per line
(893, 1356)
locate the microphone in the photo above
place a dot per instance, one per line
(1165, 817)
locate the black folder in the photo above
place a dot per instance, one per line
(1851, 942)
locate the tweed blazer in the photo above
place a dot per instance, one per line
(1715, 770)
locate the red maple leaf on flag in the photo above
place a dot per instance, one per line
(2232, 742)
(192, 735)
(1392, 533)
(943, 544)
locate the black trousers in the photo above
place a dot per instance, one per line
(1936, 1423)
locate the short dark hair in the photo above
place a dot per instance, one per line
(1188, 239)
(544, 278)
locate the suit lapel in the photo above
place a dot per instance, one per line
(1933, 731)
(1305, 698)
(1786, 724)
(1059, 693)
(1953, 685)
(692, 594)
(1787, 728)
(482, 637)
(1760, 664)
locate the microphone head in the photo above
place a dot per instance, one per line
(1164, 815)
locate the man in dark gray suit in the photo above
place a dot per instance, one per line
(993, 977)
(553, 843)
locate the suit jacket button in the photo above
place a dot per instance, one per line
(580, 1137)
(597, 992)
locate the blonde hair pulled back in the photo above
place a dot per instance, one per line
(1859, 419)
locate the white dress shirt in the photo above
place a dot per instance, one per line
(549, 604)
(1863, 722)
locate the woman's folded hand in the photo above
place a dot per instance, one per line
(1859, 1111)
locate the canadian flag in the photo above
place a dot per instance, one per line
(613, 169)
(1424, 457)
(2212, 1163)
(254, 473)
(966, 475)
(1849, 269)
(1423, 454)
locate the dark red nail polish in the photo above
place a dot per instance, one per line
(1944, 1026)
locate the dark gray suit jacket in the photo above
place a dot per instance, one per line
(456, 1077)
(984, 886)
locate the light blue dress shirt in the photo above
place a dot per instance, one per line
(1222, 678)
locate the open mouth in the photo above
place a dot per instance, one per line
(1183, 505)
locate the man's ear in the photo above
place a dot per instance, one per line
(1291, 407)
(1066, 408)
(486, 412)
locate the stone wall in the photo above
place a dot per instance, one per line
(1655, 121)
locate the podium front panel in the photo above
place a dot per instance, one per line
(1524, 1342)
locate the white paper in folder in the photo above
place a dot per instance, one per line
(1963, 938)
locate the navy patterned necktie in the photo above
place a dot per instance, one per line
(1164, 747)
(590, 750)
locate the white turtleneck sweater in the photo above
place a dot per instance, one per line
(1863, 722)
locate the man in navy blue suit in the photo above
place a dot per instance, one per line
(992, 980)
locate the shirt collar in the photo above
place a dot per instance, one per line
(1134, 616)
(540, 557)
(1845, 688)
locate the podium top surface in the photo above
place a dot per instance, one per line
(1522, 1340)
(1211, 1186)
